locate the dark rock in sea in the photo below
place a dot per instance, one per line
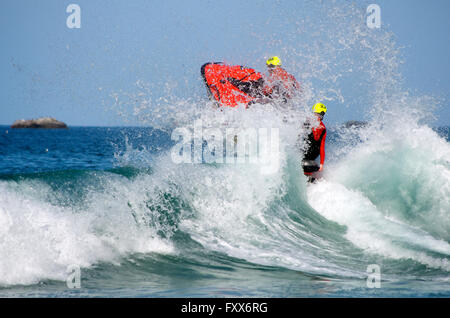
(355, 124)
(45, 122)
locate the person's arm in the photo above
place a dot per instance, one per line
(295, 83)
(322, 150)
(298, 88)
(266, 95)
(267, 90)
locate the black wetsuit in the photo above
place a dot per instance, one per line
(315, 147)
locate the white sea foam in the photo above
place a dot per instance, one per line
(39, 240)
(392, 192)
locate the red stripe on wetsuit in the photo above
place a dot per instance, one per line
(317, 132)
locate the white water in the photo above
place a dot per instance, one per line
(39, 240)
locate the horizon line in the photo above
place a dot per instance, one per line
(143, 126)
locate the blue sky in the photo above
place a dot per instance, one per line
(48, 69)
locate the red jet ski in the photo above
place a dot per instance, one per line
(232, 85)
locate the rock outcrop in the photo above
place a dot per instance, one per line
(45, 122)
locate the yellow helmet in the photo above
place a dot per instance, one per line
(319, 108)
(273, 61)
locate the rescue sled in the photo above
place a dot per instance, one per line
(232, 85)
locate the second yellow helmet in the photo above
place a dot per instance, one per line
(273, 61)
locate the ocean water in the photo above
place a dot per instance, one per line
(115, 204)
(111, 201)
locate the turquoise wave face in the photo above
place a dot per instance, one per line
(405, 174)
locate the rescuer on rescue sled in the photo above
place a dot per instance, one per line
(279, 85)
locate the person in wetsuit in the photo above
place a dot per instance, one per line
(315, 144)
(279, 84)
